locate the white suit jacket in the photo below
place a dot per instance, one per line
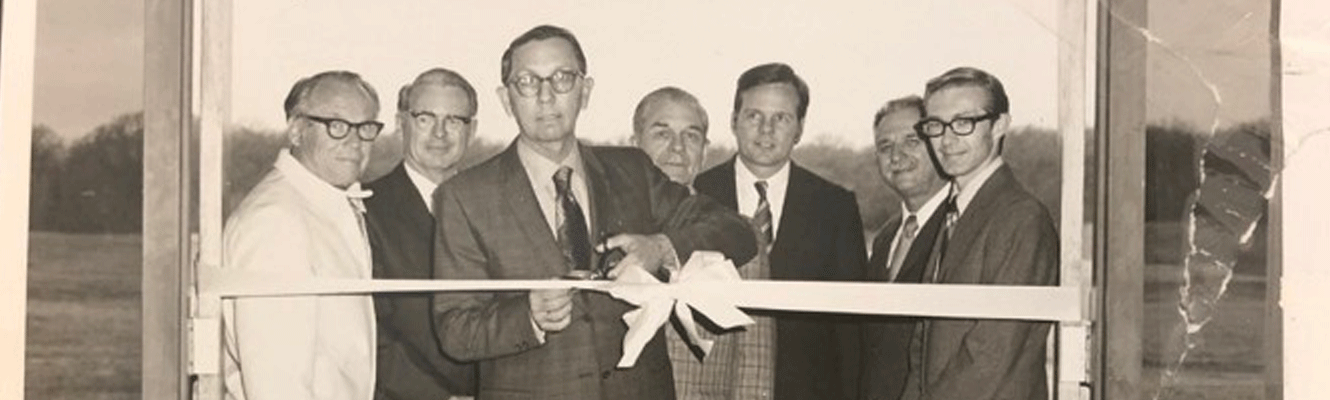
(293, 225)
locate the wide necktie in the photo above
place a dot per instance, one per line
(762, 217)
(909, 229)
(573, 238)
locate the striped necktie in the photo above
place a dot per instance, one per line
(762, 217)
(573, 238)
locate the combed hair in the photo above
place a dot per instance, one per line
(442, 76)
(668, 93)
(303, 87)
(772, 73)
(540, 33)
(970, 76)
(911, 102)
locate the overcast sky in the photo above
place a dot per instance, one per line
(854, 55)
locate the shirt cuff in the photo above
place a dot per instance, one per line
(540, 333)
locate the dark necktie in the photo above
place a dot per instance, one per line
(909, 229)
(949, 225)
(573, 237)
(762, 217)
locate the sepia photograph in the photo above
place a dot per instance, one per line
(406, 199)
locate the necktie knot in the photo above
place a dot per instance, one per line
(562, 180)
(762, 216)
(911, 227)
(761, 187)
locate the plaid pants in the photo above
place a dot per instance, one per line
(741, 365)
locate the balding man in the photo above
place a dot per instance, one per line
(671, 127)
(304, 220)
(436, 114)
(901, 247)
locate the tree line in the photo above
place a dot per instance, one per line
(95, 183)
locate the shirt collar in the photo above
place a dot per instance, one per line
(776, 183)
(966, 194)
(423, 185)
(925, 211)
(315, 188)
(537, 165)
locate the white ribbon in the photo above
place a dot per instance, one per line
(655, 301)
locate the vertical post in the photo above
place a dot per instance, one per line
(1072, 337)
(1119, 237)
(1274, 315)
(166, 197)
(17, 46)
(215, 99)
(1305, 159)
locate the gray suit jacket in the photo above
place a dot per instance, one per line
(491, 227)
(1004, 237)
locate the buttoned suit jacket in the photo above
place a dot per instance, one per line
(401, 232)
(887, 339)
(1004, 237)
(491, 227)
(820, 238)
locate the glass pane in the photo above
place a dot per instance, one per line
(85, 247)
(1208, 135)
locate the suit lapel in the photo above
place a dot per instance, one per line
(877, 266)
(521, 204)
(722, 189)
(916, 261)
(974, 218)
(794, 220)
(402, 191)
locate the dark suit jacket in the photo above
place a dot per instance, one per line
(1004, 237)
(820, 238)
(887, 339)
(401, 233)
(491, 227)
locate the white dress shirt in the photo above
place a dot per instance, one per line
(921, 217)
(423, 185)
(294, 226)
(746, 194)
(540, 171)
(967, 193)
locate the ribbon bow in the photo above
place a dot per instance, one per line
(698, 286)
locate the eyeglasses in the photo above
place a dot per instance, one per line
(961, 126)
(562, 81)
(752, 118)
(426, 121)
(338, 128)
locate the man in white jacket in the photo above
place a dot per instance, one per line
(305, 220)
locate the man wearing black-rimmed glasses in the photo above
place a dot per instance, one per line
(305, 220)
(534, 212)
(436, 117)
(995, 233)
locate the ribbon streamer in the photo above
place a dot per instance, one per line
(708, 284)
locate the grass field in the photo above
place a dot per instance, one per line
(83, 325)
(83, 338)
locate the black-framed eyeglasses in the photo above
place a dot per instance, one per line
(338, 128)
(961, 126)
(560, 81)
(426, 121)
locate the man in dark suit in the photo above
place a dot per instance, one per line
(996, 233)
(901, 247)
(812, 227)
(436, 116)
(532, 211)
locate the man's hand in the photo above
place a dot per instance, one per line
(649, 252)
(552, 309)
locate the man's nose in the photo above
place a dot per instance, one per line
(545, 92)
(676, 143)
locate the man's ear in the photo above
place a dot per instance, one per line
(799, 134)
(587, 84)
(502, 91)
(1000, 126)
(292, 133)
